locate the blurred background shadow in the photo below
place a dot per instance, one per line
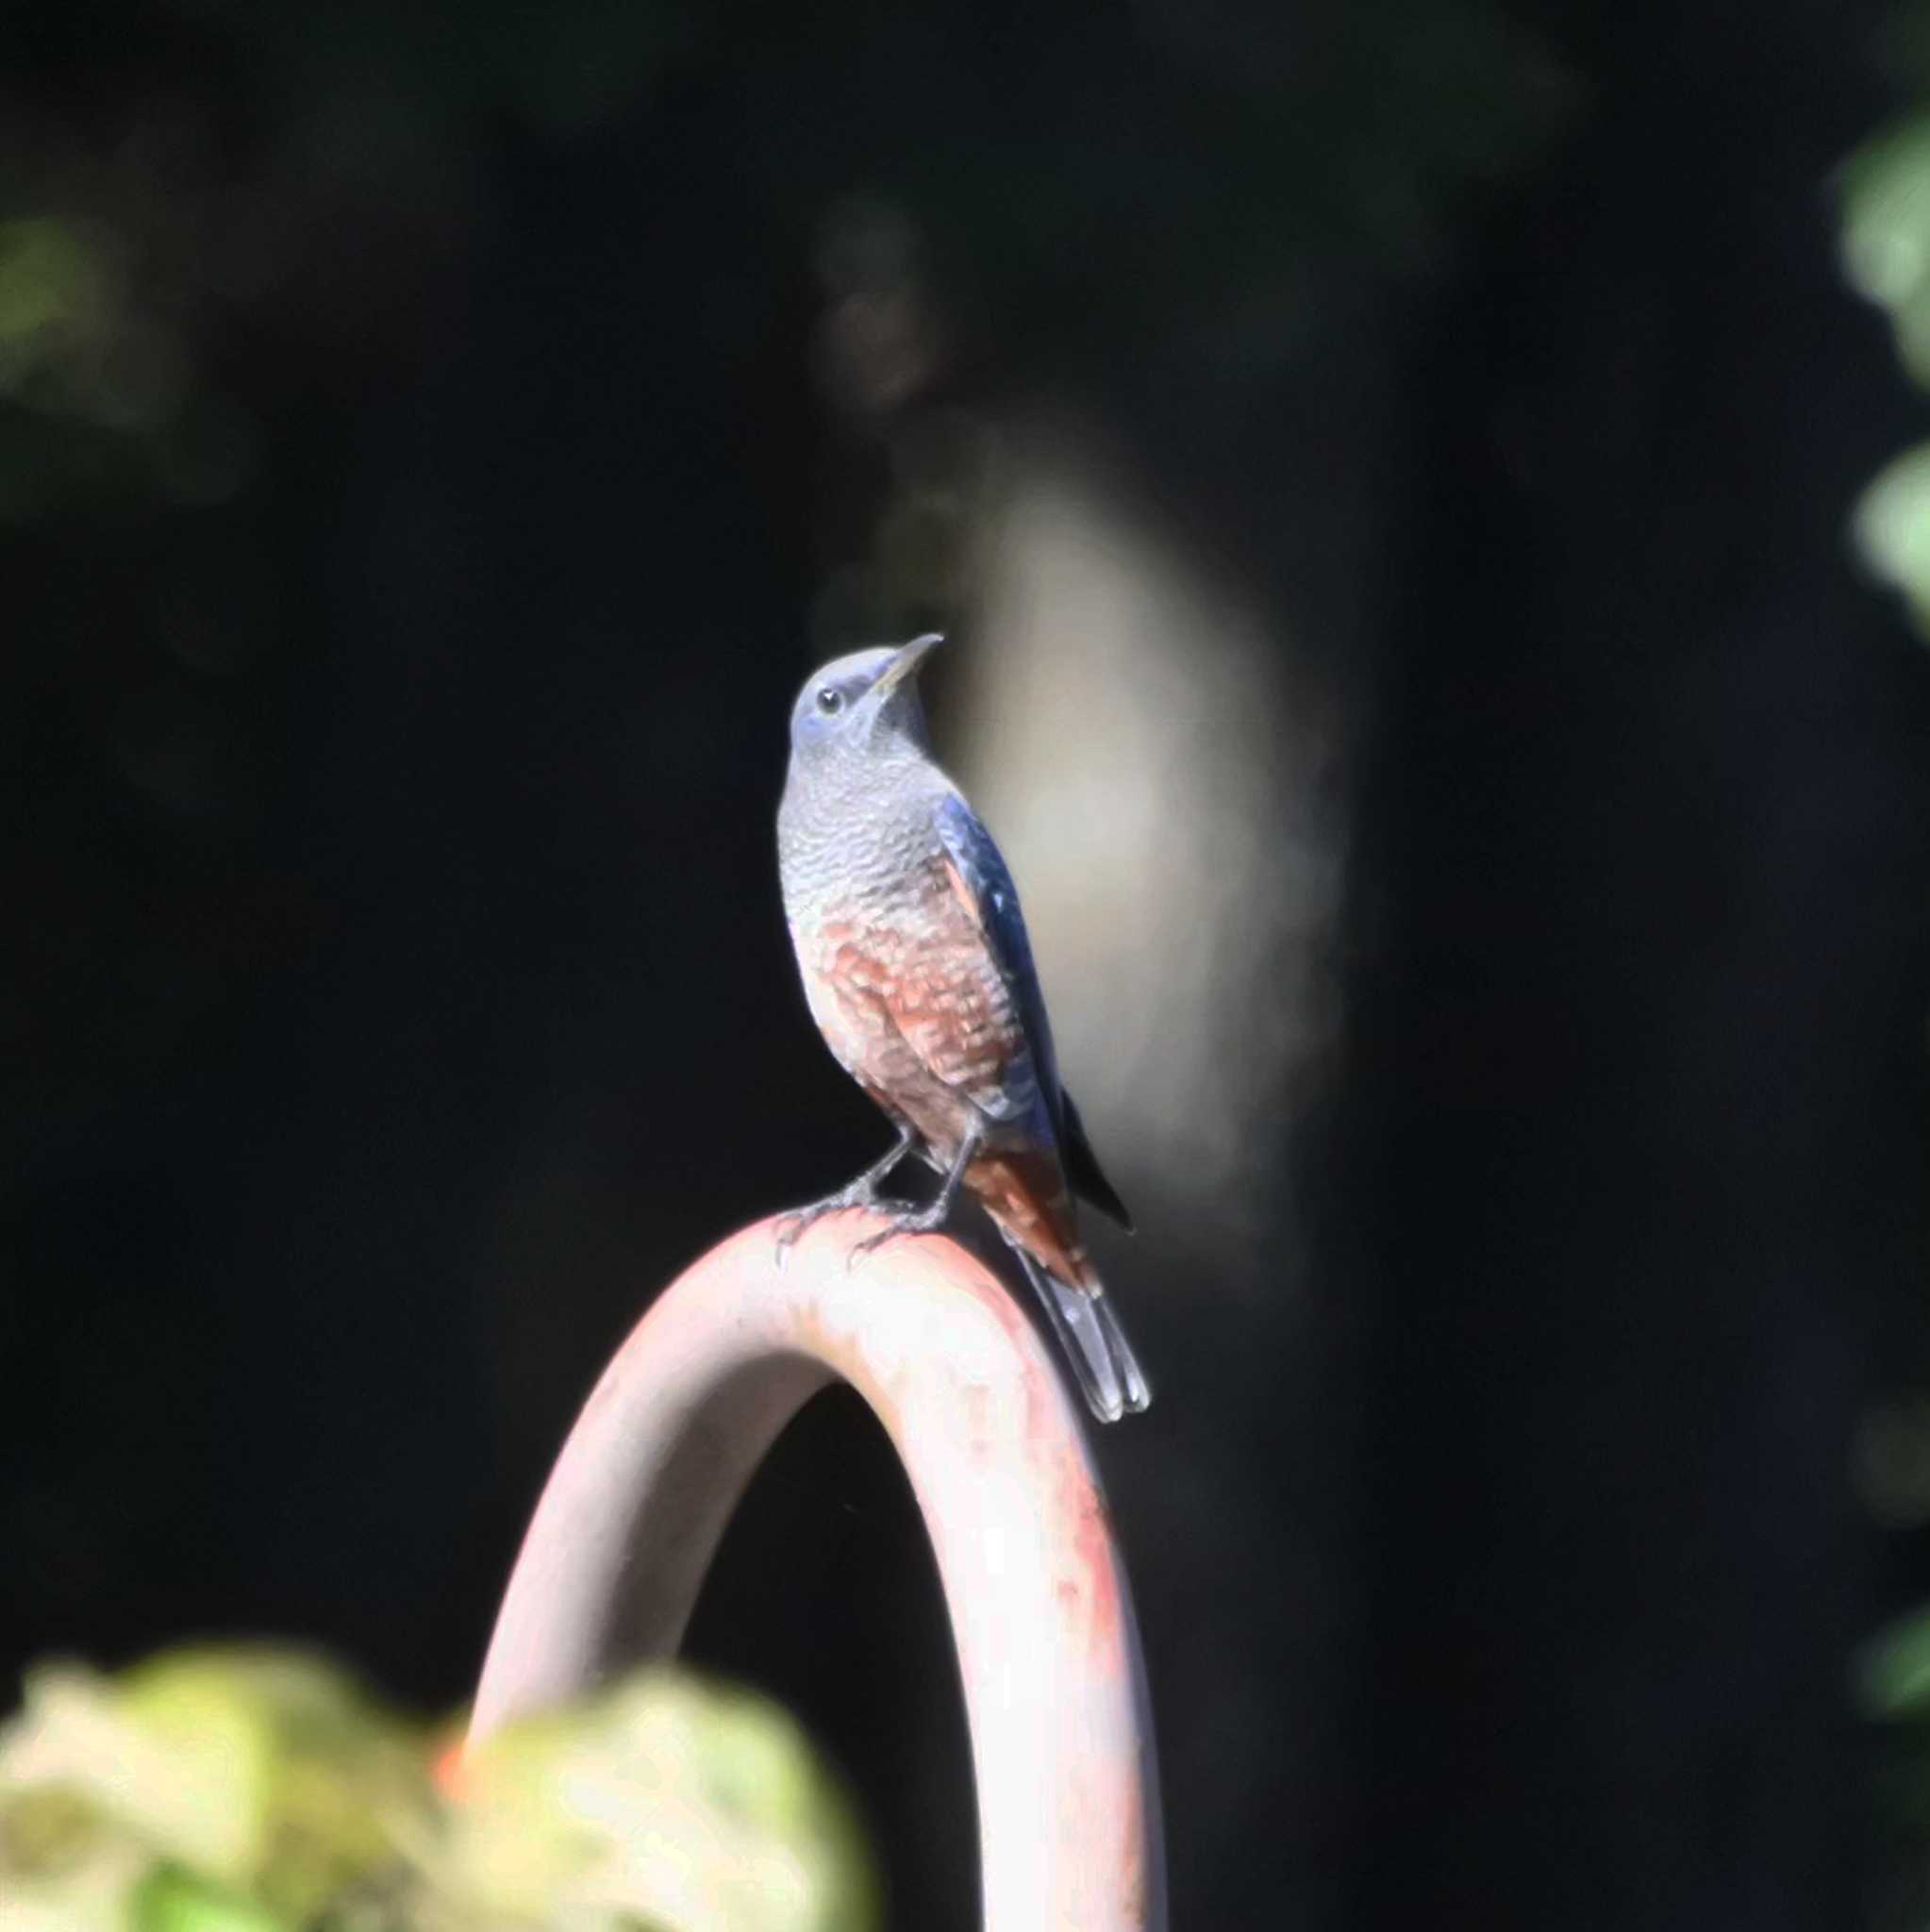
(1421, 494)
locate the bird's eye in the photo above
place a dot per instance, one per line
(830, 701)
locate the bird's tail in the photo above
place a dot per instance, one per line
(1102, 1359)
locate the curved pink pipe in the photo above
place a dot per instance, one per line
(1048, 1650)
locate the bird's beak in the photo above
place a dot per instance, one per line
(906, 664)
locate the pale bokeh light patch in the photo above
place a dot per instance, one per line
(1129, 734)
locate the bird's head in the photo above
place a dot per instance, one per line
(866, 703)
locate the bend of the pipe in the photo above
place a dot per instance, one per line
(1048, 1649)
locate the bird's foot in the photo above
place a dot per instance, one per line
(862, 1192)
(902, 1221)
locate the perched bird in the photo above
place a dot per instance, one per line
(918, 974)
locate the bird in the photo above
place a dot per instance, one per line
(919, 973)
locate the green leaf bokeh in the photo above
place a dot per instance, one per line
(252, 1788)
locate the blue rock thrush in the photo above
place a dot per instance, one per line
(918, 974)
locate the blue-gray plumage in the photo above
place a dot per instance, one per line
(919, 973)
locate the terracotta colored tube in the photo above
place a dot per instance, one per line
(1048, 1650)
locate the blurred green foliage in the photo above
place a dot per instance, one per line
(262, 200)
(255, 202)
(1885, 256)
(1892, 1688)
(1886, 253)
(257, 1789)
(1891, 525)
(97, 397)
(1886, 234)
(1894, 1674)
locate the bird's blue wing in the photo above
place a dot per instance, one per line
(981, 873)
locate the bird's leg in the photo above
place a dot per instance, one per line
(922, 1219)
(862, 1192)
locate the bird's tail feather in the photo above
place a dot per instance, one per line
(1108, 1372)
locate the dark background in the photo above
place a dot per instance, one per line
(456, 437)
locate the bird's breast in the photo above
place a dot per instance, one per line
(908, 994)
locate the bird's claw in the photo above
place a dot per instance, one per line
(869, 1242)
(791, 1226)
(899, 1223)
